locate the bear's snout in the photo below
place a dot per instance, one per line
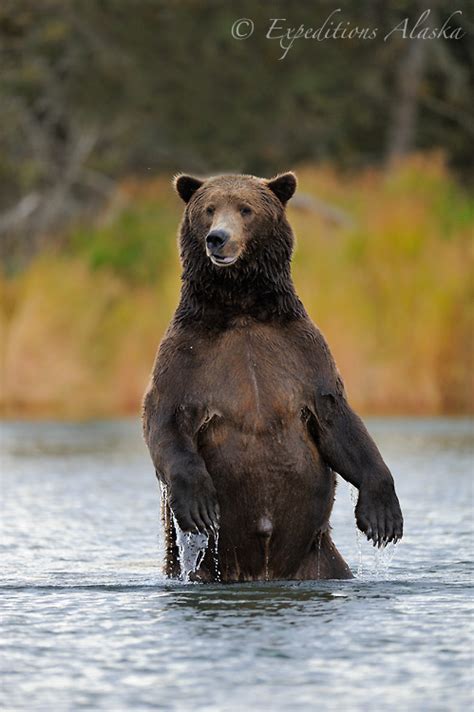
(216, 239)
(220, 249)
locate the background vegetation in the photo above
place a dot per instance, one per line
(103, 101)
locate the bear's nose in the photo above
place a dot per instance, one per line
(217, 239)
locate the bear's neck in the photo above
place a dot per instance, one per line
(217, 297)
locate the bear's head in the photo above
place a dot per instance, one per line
(235, 223)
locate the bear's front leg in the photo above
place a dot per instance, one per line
(348, 449)
(171, 439)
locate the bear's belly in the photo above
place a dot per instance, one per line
(275, 496)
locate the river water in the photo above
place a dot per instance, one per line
(89, 622)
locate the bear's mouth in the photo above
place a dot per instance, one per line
(223, 261)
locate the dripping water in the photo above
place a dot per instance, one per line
(354, 495)
(165, 519)
(215, 555)
(267, 559)
(382, 560)
(191, 548)
(320, 538)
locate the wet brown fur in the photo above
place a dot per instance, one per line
(246, 410)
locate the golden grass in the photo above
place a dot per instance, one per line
(391, 290)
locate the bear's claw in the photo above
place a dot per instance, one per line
(378, 514)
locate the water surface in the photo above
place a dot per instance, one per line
(89, 622)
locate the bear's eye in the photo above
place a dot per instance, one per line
(210, 210)
(245, 210)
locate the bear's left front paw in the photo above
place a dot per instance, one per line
(378, 513)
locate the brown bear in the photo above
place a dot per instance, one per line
(246, 417)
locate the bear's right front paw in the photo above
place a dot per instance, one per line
(193, 500)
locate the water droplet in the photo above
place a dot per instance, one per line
(318, 574)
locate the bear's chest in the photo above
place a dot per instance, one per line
(253, 377)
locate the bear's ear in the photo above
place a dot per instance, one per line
(283, 186)
(186, 186)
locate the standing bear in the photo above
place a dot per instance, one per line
(246, 417)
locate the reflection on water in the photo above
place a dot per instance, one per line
(89, 622)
